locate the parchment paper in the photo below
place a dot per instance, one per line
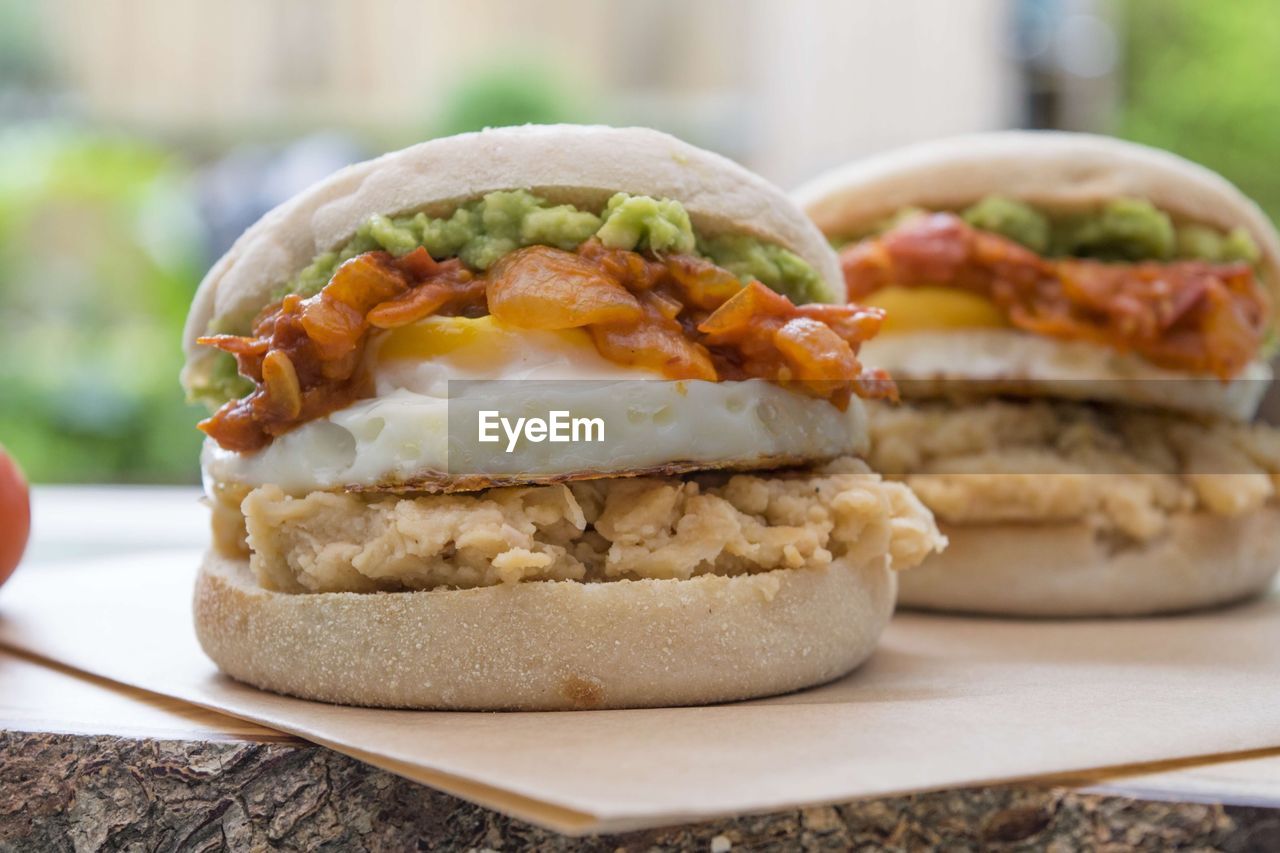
(944, 702)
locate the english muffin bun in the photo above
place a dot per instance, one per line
(548, 645)
(379, 542)
(1049, 567)
(1066, 570)
(1053, 170)
(565, 164)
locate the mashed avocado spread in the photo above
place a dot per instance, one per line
(1123, 229)
(482, 231)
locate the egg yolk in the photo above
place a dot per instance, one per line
(471, 342)
(919, 309)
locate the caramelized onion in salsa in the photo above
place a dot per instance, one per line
(1196, 316)
(680, 315)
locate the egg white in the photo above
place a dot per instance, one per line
(964, 361)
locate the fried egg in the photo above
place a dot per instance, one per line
(434, 378)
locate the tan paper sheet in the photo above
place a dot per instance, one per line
(944, 702)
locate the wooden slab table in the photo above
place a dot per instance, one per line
(88, 765)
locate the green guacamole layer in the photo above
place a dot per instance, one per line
(1123, 229)
(482, 231)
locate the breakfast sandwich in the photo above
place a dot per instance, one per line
(535, 418)
(1080, 328)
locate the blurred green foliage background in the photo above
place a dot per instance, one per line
(99, 254)
(1201, 79)
(102, 246)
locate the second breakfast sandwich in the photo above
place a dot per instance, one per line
(1080, 327)
(721, 542)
